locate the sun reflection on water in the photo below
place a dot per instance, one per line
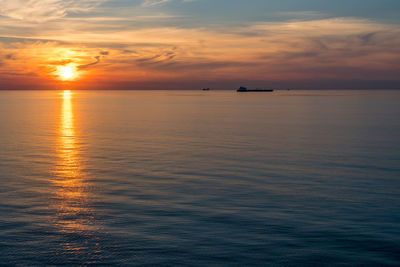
(73, 213)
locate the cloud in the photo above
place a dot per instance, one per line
(303, 15)
(148, 3)
(316, 27)
(102, 54)
(10, 57)
(82, 67)
(44, 10)
(341, 48)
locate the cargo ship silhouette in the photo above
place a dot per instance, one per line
(244, 89)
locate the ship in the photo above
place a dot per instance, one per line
(244, 89)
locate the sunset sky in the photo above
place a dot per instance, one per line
(189, 44)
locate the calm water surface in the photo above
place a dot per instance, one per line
(200, 178)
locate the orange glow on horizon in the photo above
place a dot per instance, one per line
(265, 52)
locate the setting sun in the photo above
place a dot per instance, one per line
(66, 73)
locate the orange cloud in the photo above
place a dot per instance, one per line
(341, 48)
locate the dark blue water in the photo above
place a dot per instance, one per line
(200, 178)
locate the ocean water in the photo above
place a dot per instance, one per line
(185, 178)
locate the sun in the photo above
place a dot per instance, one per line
(66, 73)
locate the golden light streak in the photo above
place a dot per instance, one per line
(73, 213)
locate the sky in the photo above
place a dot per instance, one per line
(191, 44)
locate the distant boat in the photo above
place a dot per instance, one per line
(244, 89)
(206, 89)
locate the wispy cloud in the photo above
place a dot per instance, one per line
(303, 14)
(148, 3)
(44, 10)
(343, 48)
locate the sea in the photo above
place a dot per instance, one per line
(193, 178)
